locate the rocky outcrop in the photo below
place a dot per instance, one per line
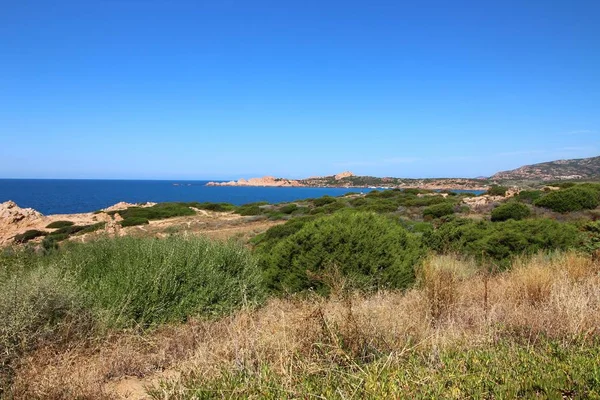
(264, 181)
(12, 214)
(345, 174)
(123, 205)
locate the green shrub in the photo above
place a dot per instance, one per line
(370, 250)
(510, 210)
(249, 209)
(529, 196)
(133, 221)
(28, 235)
(572, 199)
(93, 228)
(438, 210)
(500, 241)
(219, 207)
(157, 211)
(146, 281)
(59, 224)
(496, 190)
(321, 201)
(288, 208)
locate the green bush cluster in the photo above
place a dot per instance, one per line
(529, 196)
(59, 224)
(219, 207)
(510, 210)
(157, 211)
(370, 250)
(438, 210)
(251, 209)
(500, 241)
(134, 221)
(574, 198)
(497, 190)
(28, 235)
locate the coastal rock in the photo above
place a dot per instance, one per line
(11, 213)
(123, 205)
(345, 174)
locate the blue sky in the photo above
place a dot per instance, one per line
(157, 89)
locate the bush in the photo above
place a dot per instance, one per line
(59, 224)
(249, 209)
(219, 207)
(370, 250)
(572, 199)
(496, 190)
(135, 281)
(529, 196)
(288, 208)
(28, 235)
(500, 241)
(133, 221)
(157, 211)
(39, 307)
(438, 210)
(511, 210)
(323, 201)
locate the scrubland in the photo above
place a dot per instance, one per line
(349, 301)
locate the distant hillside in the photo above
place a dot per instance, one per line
(582, 168)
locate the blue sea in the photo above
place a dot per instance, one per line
(65, 196)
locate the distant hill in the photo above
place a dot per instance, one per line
(581, 168)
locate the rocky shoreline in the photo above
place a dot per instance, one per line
(348, 180)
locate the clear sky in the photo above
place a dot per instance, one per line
(178, 89)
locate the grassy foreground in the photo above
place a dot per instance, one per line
(531, 331)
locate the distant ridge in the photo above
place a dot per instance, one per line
(580, 168)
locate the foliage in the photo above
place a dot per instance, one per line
(28, 235)
(59, 224)
(529, 196)
(497, 190)
(370, 250)
(157, 211)
(250, 209)
(288, 208)
(39, 307)
(133, 221)
(572, 199)
(219, 207)
(438, 210)
(321, 201)
(510, 210)
(501, 240)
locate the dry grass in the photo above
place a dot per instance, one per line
(553, 296)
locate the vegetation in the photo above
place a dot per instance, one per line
(510, 210)
(496, 190)
(134, 221)
(571, 199)
(59, 224)
(157, 211)
(384, 295)
(500, 241)
(438, 210)
(28, 235)
(369, 250)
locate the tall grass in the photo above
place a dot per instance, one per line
(117, 283)
(150, 281)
